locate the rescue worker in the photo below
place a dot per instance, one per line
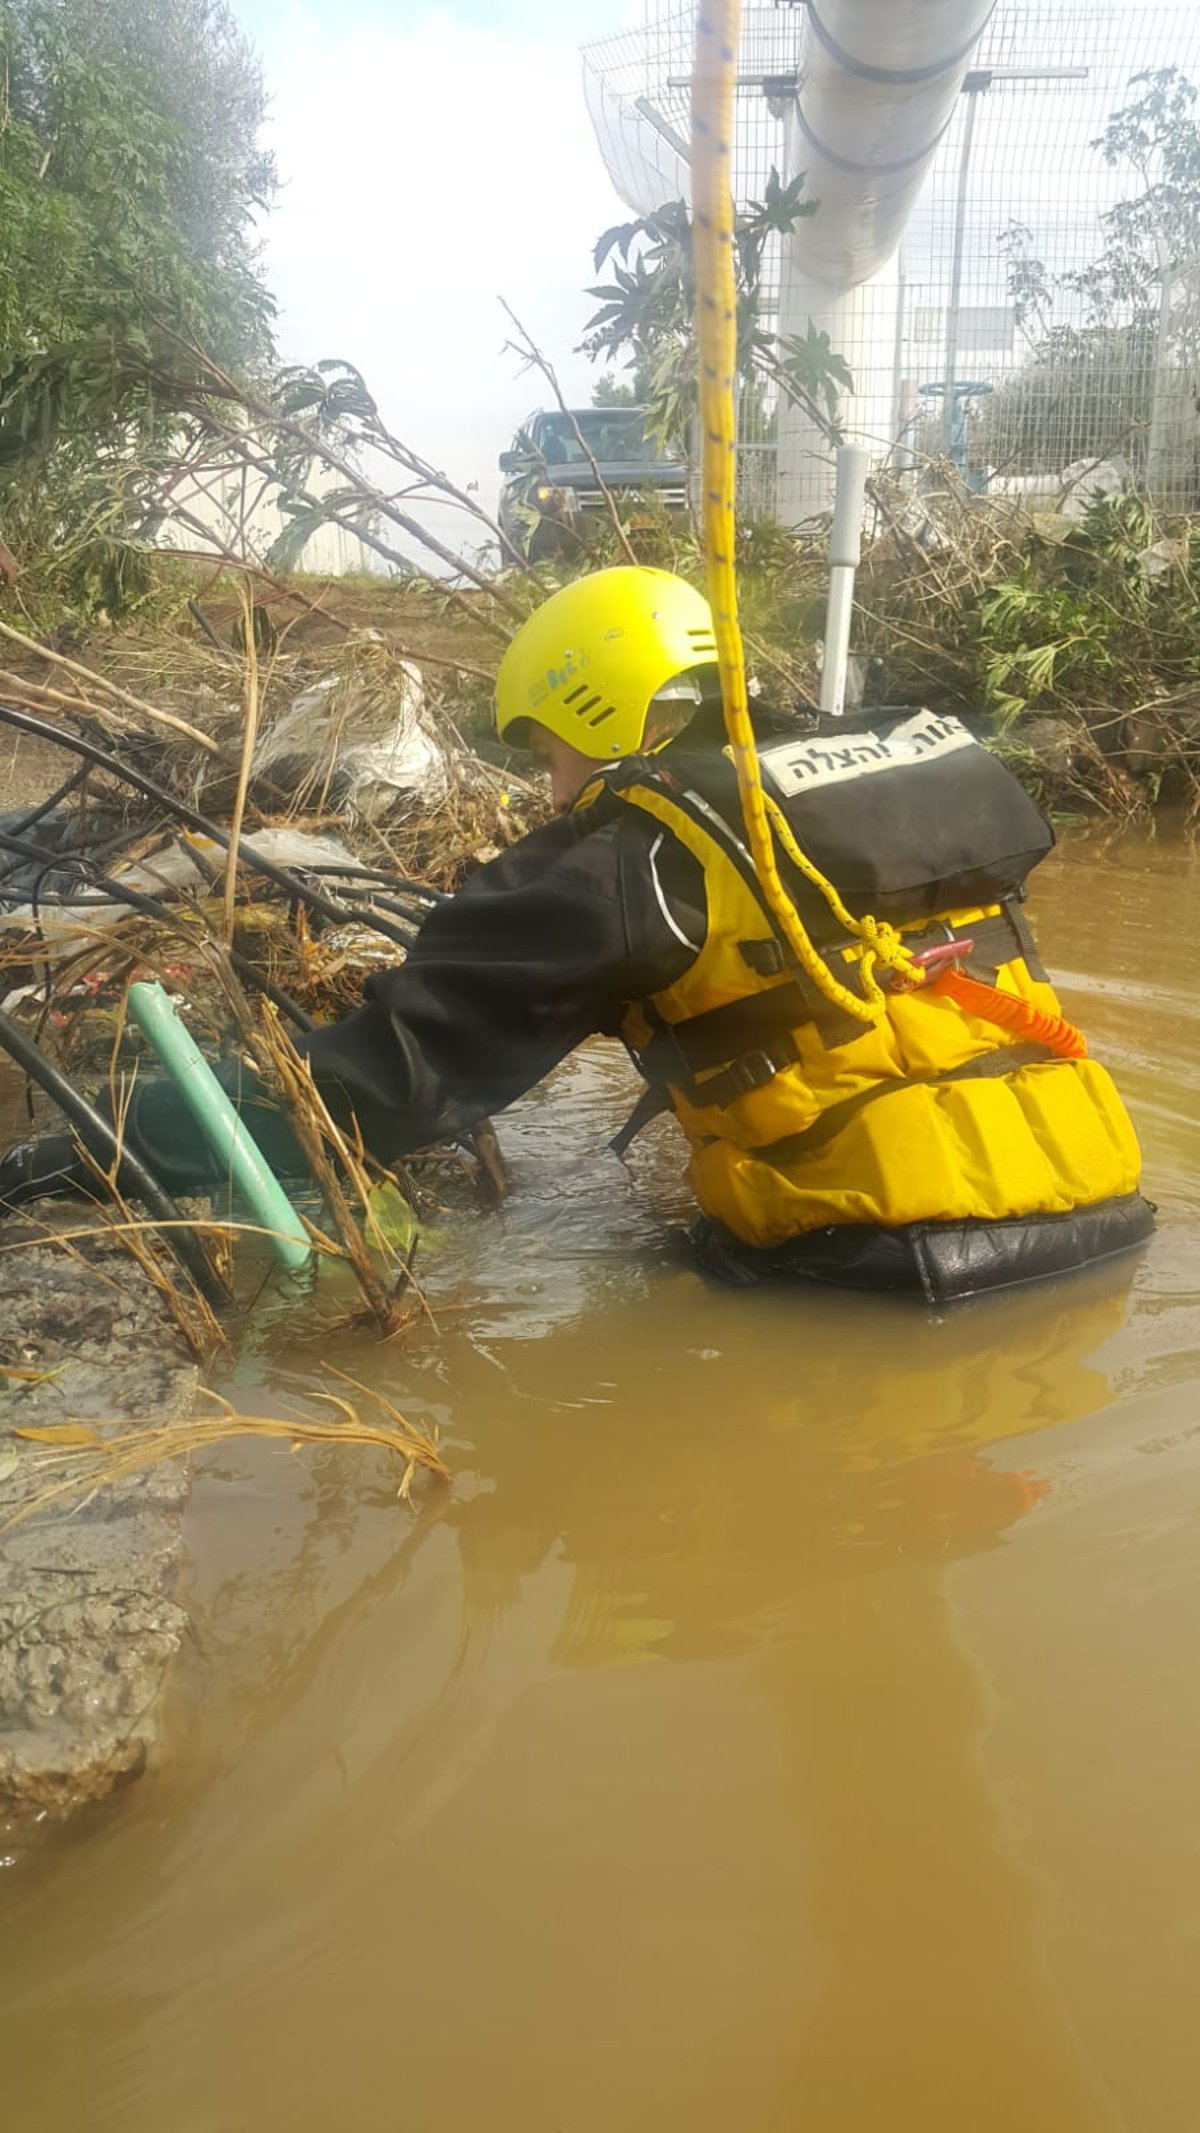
(929, 1149)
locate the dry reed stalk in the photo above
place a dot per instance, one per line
(330, 1154)
(190, 1311)
(96, 680)
(250, 704)
(223, 1228)
(297, 596)
(131, 1451)
(38, 695)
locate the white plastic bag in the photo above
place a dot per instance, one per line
(373, 754)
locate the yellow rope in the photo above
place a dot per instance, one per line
(717, 29)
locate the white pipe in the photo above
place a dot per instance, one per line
(845, 549)
(878, 84)
(861, 326)
(879, 80)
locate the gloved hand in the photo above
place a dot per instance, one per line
(360, 1066)
(159, 1128)
(39, 1168)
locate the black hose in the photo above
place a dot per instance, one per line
(70, 899)
(151, 907)
(79, 899)
(103, 1142)
(341, 914)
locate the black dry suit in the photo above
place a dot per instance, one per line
(924, 1151)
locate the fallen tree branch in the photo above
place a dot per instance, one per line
(108, 688)
(220, 384)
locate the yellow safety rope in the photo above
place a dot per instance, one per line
(717, 29)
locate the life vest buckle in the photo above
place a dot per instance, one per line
(765, 958)
(752, 1071)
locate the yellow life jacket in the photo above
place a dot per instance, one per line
(798, 1116)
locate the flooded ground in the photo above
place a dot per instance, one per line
(789, 1719)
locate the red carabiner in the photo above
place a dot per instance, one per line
(927, 964)
(932, 961)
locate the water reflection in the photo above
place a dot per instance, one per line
(666, 1728)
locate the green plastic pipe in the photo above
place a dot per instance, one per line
(226, 1133)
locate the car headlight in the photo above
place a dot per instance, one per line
(545, 494)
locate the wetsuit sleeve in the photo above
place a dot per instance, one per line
(541, 949)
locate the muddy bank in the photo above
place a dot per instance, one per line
(88, 1617)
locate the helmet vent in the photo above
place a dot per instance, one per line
(608, 712)
(581, 710)
(577, 691)
(703, 640)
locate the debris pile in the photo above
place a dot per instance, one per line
(255, 829)
(299, 846)
(262, 855)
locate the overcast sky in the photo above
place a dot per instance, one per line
(431, 158)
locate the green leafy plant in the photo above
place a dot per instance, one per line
(129, 177)
(1033, 638)
(647, 314)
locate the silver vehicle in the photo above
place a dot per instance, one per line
(550, 491)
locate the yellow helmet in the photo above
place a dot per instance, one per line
(590, 661)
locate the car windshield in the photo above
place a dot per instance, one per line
(612, 436)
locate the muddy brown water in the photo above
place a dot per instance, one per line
(789, 1719)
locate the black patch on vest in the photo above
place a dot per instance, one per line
(907, 815)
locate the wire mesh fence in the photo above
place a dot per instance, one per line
(1039, 329)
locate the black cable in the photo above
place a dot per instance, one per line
(418, 889)
(72, 857)
(341, 914)
(397, 904)
(284, 876)
(201, 619)
(152, 907)
(74, 899)
(103, 1142)
(35, 892)
(388, 903)
(47, 807)
(120, 840)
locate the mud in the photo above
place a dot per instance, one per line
(29, 770)
(88, 1614)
